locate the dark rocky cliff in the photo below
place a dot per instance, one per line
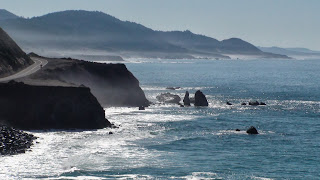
(112, 84)
(12, 58)
(48, 107)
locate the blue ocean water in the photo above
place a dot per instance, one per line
(171, 142)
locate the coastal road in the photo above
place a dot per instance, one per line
(27, 71)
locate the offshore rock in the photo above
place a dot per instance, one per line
(169, 98)
(252, 130)
(49, 107)
(228, 103)
(254, 103)
(14, 141)
(262, 104)
(200, 99)
(186, 99)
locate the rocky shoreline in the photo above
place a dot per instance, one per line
(13, 141)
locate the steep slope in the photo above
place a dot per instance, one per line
(12, 58)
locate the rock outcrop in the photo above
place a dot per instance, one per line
(200, 99)
(48, 107)
(254, 103)
(252, 130)
(168, 98)
(14, 141)
(186, 99)
(12, 58)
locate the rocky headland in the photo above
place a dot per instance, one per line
(111, 84)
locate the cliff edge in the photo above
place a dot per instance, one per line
(48, 107)
(111, 84)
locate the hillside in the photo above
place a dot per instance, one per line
(298, 53)
(85, 31)
(12, 58)
(4, 15)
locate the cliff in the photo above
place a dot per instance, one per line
(112, 84)
(48, 107)
(12, 58)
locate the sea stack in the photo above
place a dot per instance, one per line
(186, 99)
(252, 130)
(200, 99)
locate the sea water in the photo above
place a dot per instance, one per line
(172, 142)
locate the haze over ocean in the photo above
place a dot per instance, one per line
(286, 23)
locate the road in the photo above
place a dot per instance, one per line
(27, 71)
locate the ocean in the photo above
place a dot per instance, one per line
(172, 142)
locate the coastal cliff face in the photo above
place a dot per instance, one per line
(48, 107)
(12, 58)
(112, 84)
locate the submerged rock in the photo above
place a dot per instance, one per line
(168, 98)
(173, 88)
(186, 99)
(252, 130)
(14, 141)
(200, 99)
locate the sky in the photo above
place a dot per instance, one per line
(283, 23)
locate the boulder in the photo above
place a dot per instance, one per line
(228, 103)
(186, 99)
(168, 98)
(237, 129)
(252, 130)
(200, 99)
(254, 103)
(243, 104)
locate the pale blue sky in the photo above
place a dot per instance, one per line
(284, 23)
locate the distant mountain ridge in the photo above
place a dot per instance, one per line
(299, 53)
(81, 30)
(4, 15)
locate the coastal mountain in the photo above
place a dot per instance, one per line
(4, 15)
(298, 53)
(87, 31)
(12, 58)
